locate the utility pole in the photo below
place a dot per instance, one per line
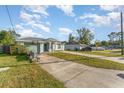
(122, 35)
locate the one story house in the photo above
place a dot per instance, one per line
(98, 48)
(75, 46)
(40, 45)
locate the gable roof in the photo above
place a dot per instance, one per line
(30, 39)
(51, 39)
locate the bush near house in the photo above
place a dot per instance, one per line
(17, 49)
(8, 44)
(13, 49)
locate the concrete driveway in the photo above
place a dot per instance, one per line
(76, 75)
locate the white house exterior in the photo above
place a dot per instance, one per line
(40, 45)
(74, 46)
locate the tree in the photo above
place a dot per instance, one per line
(85, 36)
(119, 38)
(104, 43)
(115, 38)
(71, 38)
(6, 37)
(97, 43)
(112, 37)
(14, 34)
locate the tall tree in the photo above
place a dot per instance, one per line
(104, 43)
(115, 38)
(112, 36)
(71, 38)
(119, 38)
(6, 37)
(85, 36)
(110, 39)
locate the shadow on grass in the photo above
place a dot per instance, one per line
(22, 58)
(3, 55)
(16, 65)
(31, 64)
(117, 52)
(19, 58)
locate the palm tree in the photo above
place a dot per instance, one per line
(112, 36)
(71, 38)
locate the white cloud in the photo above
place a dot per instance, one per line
(26, 32)
(113, 15)
(100, 20)
(116, 8)
(38, 9)
(42, 27)
(67, 9)
(25, 16)
(36, 16)
(65, 31)
(35, 25)
(31, 18)
(109, 7)
(19, 27)
(48, 23)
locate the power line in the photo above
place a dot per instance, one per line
(9, 17)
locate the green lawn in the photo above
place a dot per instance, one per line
(94, 62)
(23, 74)
(108, 53)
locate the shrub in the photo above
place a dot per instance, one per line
(17, 49)
(76, 49)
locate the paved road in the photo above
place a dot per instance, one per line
(76, 75)
(115, 59)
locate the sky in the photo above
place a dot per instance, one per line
(61, 20)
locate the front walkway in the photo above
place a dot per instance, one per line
(79, 75)
(115, 59)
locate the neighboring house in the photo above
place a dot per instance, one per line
(75, 46)
(98, 48)
(39, 45)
